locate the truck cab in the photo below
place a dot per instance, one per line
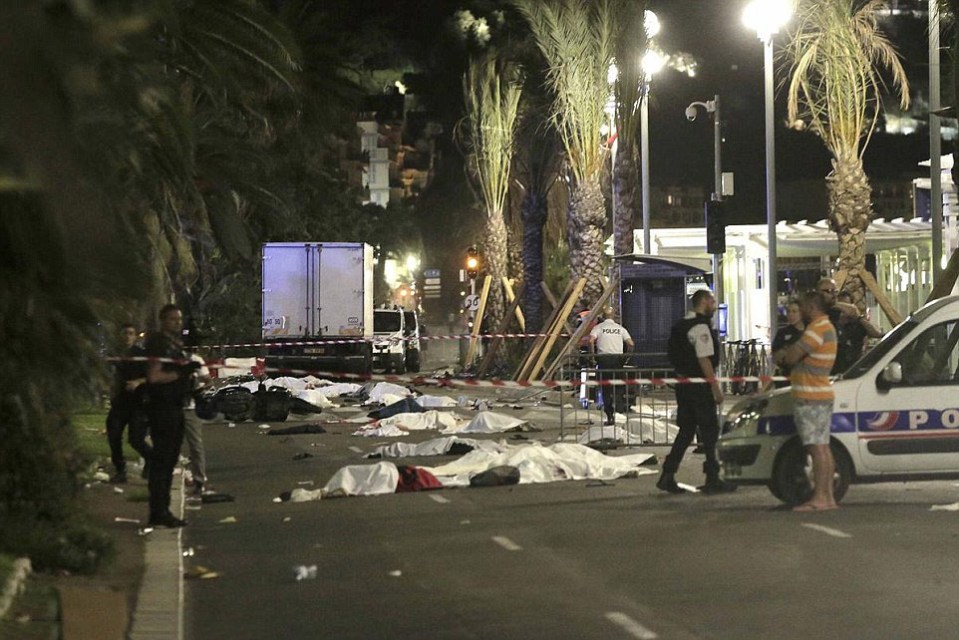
(389, 339)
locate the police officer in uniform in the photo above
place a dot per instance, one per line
(168, 386)
(698, 351)
(610, 341)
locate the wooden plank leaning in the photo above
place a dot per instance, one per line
(478, 322)
(494, 346)
(510, 296)
(556, 303)
(581, 330)
(557, 328)
(523, 369)
(894, 316)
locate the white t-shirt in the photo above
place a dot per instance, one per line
(701, 338)
(609, 336)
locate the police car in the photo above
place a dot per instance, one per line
(895, 416)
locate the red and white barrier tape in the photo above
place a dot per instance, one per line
(471, 382)
(308, 343)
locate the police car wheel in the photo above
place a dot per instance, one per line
(793, 472)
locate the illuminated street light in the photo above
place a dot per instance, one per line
(653, 62)
(766, 18)
(651, 24)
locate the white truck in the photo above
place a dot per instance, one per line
(320, 293)
(895, 416)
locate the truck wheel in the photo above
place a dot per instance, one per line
(791, 481)
(413, 361)
(399, 367)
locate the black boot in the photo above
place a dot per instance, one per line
(667, 482)
(714, 484)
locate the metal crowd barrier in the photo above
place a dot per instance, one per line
(645, 414)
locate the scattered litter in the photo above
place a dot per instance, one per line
(228, 520)
(199, 572)
(301, 495)
(279, 499)
(189, 552)
(101, 476)
(466, 522)
(231, 425)
(303, 572)
(145, 531)
(130, 520)
(305, 482)
(263, 426)
(192, 507)
(945, 507)
(396, 573)
(117, 490)
(287, 519)
(303, 455)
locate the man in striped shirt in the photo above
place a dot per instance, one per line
(811, 359)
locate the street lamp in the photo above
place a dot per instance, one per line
(653, 62)
(767, 17)
(712, 107)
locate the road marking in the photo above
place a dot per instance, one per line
(506, 543)
(356, 449)
(630, 626)
(829, 531)
(437, 498)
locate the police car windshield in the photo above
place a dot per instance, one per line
(888, 342)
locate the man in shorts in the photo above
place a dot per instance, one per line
(811, 359)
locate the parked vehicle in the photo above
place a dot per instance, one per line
(895, 417)
(320, 293)
(396, 340)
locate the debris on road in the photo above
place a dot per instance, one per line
(945, 507)
(303, 572)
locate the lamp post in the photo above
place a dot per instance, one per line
(653, 62)
(766, 17)
(712, 107)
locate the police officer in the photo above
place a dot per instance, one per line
(126, 405)
(610, 341)
(168, 385)
(697, 356)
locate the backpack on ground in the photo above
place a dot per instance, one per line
(272, 405)
(235, 403)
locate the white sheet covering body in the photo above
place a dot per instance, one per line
(435, 447)
(421, 421)
(489, 422)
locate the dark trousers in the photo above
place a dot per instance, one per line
(696, 409)
(126, 412)
(609, 367)
(166, 431)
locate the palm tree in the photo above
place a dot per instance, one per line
(492, 93)
(836, 53)
(630, 88)
(576, 39)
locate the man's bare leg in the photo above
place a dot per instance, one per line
(823, 467)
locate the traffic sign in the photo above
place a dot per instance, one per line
(471, 302)
(431, 273)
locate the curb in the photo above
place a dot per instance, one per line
(159, 610)
(15, 584)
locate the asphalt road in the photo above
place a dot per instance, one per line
(563, 560)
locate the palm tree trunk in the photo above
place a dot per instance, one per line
(624, 206)
(586, 219)
(497, 263)
(850, 211)
(535, 212)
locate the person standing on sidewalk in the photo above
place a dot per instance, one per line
(694, 352)
(788, 335)
(811, 359)
(193, 429)
(168, 385)
(610, 341)
(126, 405)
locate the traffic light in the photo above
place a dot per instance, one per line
(715, 227)
(472, 262)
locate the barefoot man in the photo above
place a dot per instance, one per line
(811, 359)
